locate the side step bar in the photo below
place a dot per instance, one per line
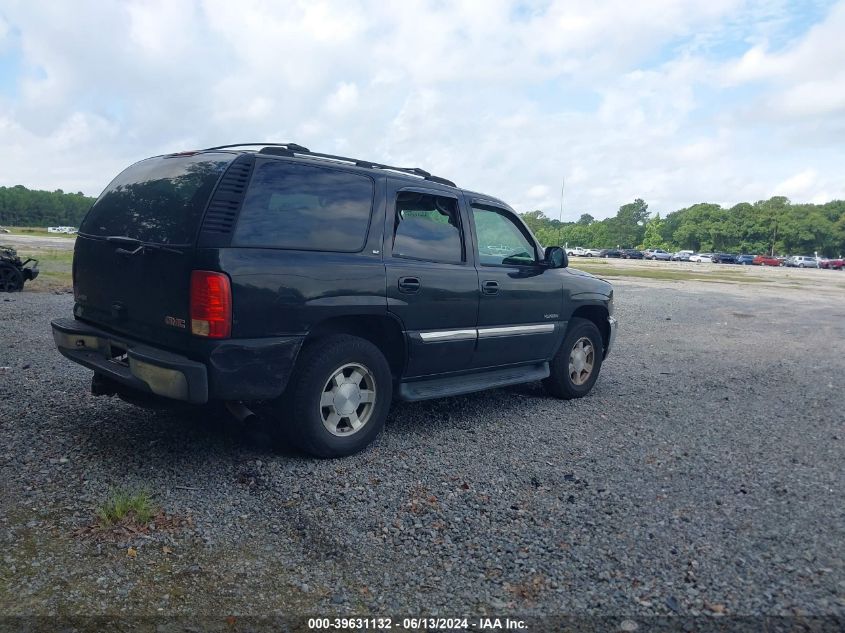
(457, 385)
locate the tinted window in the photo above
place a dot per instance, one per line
(500, 240)
(159, 200)
(306, 208)
(427, 227)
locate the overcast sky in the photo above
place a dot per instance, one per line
(676, 102)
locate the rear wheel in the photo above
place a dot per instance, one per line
(11, 279)
(576, 366)
(338, 398)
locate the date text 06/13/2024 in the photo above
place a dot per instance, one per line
(415, 624)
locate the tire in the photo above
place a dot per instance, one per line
(301, 420)
(589, 254)
(800, 265)
(560, 383)
(11, 279)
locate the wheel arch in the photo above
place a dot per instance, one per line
(383, 331)
(597, 313)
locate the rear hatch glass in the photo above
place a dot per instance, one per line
(158, 200)
(143, 291)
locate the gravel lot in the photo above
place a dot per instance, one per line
(703, 475)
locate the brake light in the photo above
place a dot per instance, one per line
(211, 304)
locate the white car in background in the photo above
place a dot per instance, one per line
(592, 252)
(577, 251)
(701, 257)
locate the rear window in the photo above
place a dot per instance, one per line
(302, 207)
(158, 200)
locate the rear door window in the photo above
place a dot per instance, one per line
(159, 200)
(304, 207)
(428, 227)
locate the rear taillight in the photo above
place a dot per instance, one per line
(211, 304)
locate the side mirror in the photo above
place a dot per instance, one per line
(555, 257)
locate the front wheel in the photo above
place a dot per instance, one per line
(338, 398)
(576, 366)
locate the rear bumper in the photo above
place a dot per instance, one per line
(235, 369)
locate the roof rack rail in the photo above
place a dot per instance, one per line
(291, 149)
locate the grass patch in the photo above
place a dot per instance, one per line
(124, 506)
(674, 275)
(54, 267)
(577, 261)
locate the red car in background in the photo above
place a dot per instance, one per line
(832, 264)
(766, 260)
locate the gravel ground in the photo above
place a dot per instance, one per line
(36, 242)
(703, 475)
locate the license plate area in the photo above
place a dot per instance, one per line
(118, 354)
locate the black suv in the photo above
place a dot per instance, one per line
(316, 288)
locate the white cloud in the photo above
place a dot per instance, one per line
(800, 184)
(5, 30)
(343, 100)
(621, 99)
(537, 191)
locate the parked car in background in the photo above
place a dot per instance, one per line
(575, 250)
(632, 253)
(657, 254)
(682, 256)
(801, 261)
(766, 260)
(592, 252)
(832, 264)
(701, 257)
(611, 252)
(723, 258)
(745, 260)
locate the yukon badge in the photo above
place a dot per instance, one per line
(174, 322)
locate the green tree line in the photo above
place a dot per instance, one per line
(20, 206)
(760, 227)
(773, 225)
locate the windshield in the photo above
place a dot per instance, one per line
(159, 200)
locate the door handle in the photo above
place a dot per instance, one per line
(409, 285)
(490, 287)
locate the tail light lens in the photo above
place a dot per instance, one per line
(211, 304)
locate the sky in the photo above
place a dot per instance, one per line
(675, 102)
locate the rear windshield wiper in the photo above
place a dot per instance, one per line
(140, 246)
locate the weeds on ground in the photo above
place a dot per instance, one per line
(124, 506)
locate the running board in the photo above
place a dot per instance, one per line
(442, 387)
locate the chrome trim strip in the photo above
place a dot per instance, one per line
(515, 330)
(448, 335)
(438, 336)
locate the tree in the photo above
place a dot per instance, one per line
(653, 237)
(627, 229)
(585, 219)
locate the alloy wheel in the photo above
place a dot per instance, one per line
(348, 399)
(582, 359)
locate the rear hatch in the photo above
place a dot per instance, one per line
(134, 253)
